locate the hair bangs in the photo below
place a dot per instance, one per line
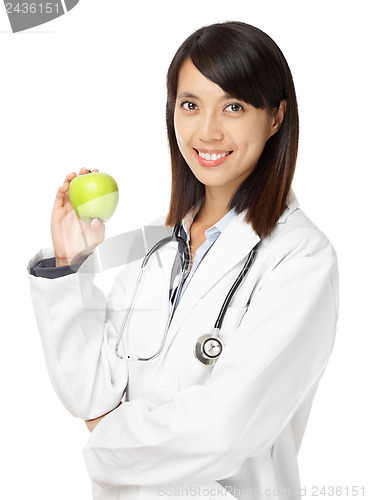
(232, 68)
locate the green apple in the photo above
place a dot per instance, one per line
(94, 195)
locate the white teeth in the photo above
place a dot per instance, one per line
(212, 156)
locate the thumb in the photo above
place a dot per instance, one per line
(96, 224)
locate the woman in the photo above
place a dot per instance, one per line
(231, 428)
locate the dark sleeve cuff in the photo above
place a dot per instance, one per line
(45, 268)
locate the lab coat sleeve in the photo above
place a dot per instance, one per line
(78, 339)
(78, 329)
(272, 363)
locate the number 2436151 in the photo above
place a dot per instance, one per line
(32, 8)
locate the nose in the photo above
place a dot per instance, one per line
(210, 128)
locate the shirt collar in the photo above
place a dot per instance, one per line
(218, 227)
(188, 219)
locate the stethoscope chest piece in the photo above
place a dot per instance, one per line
(208, 348)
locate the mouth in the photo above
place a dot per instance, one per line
(211, 158)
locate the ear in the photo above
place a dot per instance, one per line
(277, 117)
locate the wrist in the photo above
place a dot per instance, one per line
(61, 262)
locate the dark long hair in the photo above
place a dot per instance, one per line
(248, 65)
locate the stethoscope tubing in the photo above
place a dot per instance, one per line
(185, 263)
(184, 267)
(235, 286)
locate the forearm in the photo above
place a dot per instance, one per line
(78, 344)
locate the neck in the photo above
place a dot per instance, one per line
(214, 206)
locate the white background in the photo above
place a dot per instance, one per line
(88, 89)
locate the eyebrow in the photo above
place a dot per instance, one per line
(192, 96)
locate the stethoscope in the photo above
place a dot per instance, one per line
(209, 346)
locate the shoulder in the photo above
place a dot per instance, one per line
(298, 247)
(295, 233)
(298, 233)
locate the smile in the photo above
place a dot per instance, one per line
(211, 158)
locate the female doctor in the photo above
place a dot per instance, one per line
(224, 420)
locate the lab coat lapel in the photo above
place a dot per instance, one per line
(233, 245)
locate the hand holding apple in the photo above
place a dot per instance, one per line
(73, 239)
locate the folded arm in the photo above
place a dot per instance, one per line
(268, 369)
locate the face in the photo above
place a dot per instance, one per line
(220, 138)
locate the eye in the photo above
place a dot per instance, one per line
(234, 107)
(188, 105)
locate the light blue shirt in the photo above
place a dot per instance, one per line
(211, 236)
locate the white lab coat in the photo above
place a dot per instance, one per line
(188, 429)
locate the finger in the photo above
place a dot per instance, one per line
(84, 171)
(60, 196)
(97, 225)
(70, 177)
(98, 229)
